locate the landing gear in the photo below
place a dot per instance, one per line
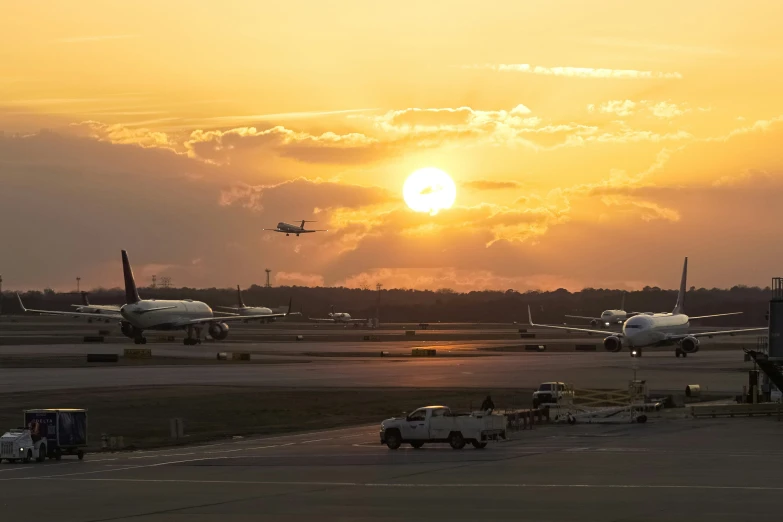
(140, 340)
(288, 235)
(190, 340)
(679, 352)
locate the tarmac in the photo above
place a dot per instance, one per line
(683, 470)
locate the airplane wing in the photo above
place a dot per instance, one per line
(223, 313)
(69, 314)
(716, 315)
(313, 230)
(568, 328)
(226, 307)
(273, 229)
(719, 332)
(583, 317)
(108, 308)
(321, 320)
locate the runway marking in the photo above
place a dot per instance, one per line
(313, 440)
(429, 485)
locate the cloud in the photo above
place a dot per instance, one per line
(121, 134)
(578, 72)
(221, 146)
(479, 185)
(298, 279)
(618, 107)
(662, 109)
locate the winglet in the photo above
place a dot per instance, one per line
(85, 301)
(290, 303)
(679, 307)
(21, 304)
(529, 316)
(131, 293)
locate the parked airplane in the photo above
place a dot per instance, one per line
(138, 315)
(609, 317)
(650, 329)
(338, 317)
(241, 309)
(289, 229)
(86, 307)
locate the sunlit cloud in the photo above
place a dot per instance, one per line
(579, 72)
(480, 184)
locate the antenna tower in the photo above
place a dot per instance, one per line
(268, 283)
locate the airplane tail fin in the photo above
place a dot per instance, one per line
(679, 307)
(239, 298)
(85, 301)
(331, 309)
(131, 293)
(622, 302)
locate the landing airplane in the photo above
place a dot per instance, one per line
(138, 315)
(650, 329)
(608, 317)
(338, 317)
(289, 229)
(241, 309)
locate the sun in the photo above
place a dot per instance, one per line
(429, 190)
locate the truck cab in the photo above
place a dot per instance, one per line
(438, 424)
(18, 444)
(552, 393)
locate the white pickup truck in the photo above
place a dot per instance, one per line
(439, 424)
(552, 393)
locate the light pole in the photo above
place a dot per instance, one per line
(78, 284)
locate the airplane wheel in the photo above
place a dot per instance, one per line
(143, 340)
(137, 341)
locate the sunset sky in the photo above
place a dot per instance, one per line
(593, 144)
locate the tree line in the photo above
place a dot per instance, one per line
(444, 305)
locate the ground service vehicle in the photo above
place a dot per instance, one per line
(552, 393)
(18, 445)
(63, 430)
(439, 424)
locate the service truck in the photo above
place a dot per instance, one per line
(552, 393)
(433, 424)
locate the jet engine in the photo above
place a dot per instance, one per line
(690, 344)
(218, 331)
(128, 330)
(613, 344)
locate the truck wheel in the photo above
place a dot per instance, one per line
(479, 445)
(80, 454)
(393, 440)
(457, 441)
(29, 456)
(417, 445)
(41, 453)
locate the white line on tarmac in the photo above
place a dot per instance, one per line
(432, 485)
(313, 440)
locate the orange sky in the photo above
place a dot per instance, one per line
(592, 143)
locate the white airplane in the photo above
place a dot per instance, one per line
(138, 315)
(608, 317)
(86, 307)
(650, 329)
(338, 317)
(266, 314)
(289, 229)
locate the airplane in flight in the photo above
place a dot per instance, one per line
(649, 329)
(266, 314)
(139, 315)
(289, 229)
(608, 317)
(338, 317)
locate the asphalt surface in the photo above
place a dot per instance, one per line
(673, 470)
(717, 371)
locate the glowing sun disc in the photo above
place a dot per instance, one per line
(429, 190)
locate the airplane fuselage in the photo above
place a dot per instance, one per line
(652, 329)
(253, 310)
(613, 316)
(340, 317)
(180, 311)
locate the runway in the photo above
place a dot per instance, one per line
(663, 470)
(716, 371)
